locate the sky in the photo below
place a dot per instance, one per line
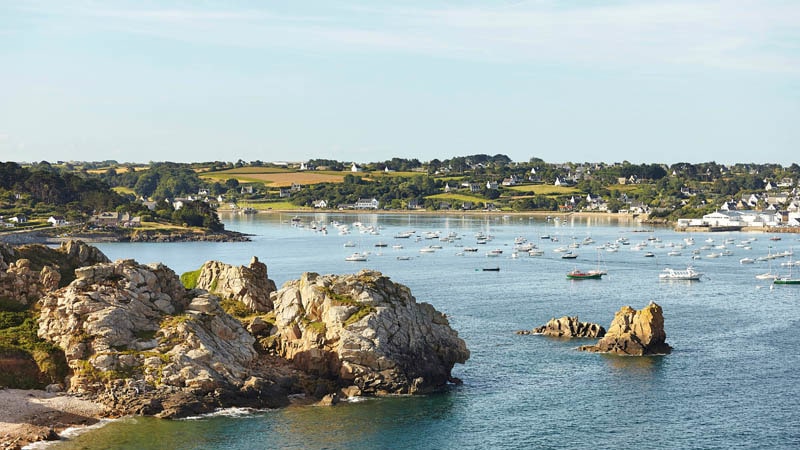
(204, 80)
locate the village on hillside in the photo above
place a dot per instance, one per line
(114, 195)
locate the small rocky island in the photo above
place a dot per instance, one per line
(568, 327)
(632, 332)
(138, 339)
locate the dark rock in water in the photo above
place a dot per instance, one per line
(569, 327)
(634, 333)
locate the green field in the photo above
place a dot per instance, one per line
(123, 190)
(277, 205)
(545, 189)
(457, 197)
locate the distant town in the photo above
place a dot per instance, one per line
(109, 194)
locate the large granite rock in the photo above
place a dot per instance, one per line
(634, 333)
(249, 285)
(568, 327)
(28, 272)
(363, 330)
(134, 337)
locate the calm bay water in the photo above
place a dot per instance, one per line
(729, 383)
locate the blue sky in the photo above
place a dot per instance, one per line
(643, 81)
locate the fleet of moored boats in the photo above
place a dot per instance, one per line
(523, 246)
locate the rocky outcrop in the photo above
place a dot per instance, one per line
(568, 327)
(28, 272)
(634, 333)
(138, 341)
(135, 338)
(197, 235)
(365, 331)
(247, 284)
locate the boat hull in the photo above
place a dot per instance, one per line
(584, 276)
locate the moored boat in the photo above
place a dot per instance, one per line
(689, 274)
(356, 257)
(580, 275)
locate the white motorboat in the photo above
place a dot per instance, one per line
(356, 257)
(689, 274)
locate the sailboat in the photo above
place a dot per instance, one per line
(598, 270)
(787, 279)
(769, 275)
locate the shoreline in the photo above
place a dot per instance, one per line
(31, 415)
(553, 214)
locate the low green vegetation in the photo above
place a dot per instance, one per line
(235, 308)
(38, 362)
(189, 279)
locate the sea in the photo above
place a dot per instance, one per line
(731, 381)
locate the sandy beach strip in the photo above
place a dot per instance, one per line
(32, 415)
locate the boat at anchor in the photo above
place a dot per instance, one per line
(688, 274)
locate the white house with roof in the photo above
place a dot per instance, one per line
(355, 168)
(57, 221)
(367, 203)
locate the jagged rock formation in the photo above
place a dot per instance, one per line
(568, 327)
(366, 331)
(30, 271)
(634, 333)
(249, 285)
(135, 338)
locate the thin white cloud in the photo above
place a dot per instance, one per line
(733, 35)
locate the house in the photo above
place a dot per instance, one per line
(751, 200)
(284, 192)
(466, 206)
(511, 181)
(179, 203)
(320, 204)
(722, 219)
(202, 191)
(296, 187)
(151, 205)
(57, 221)
(355, 168)
(413, 204)
(366, 203)
(105, 219)
(491, 185)
(246, 189)
(447, 187)
(19, 218)
(444, 206)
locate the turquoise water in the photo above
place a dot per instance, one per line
(729, 383)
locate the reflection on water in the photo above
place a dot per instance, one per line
(634, 366)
